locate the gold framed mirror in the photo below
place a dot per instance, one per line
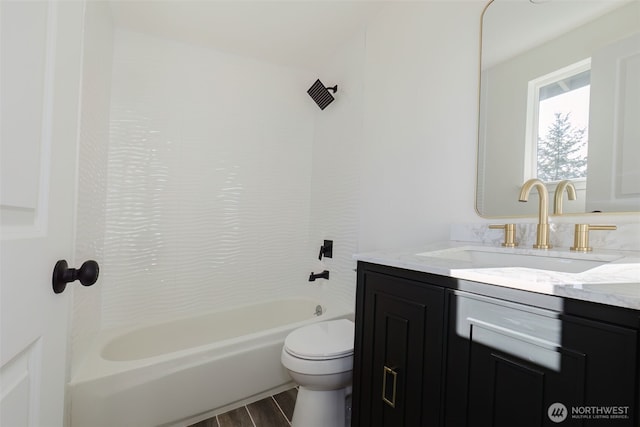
(534, 51)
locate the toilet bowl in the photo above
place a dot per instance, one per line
(319, 358)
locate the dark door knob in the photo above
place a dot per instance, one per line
(87, 274)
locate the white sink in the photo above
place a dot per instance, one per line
(479, 257)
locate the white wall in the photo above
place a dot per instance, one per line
(420, 115)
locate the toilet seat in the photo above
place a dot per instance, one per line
(322, 341)
(316, 367)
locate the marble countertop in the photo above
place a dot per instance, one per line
(616, 282)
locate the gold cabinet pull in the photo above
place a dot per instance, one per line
(386, 373)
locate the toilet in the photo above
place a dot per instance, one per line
(319, 358)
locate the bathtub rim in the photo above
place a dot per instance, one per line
(300, 308)
(93, 367)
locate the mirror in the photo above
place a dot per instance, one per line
(524, 44)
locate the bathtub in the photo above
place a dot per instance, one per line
(168, 373)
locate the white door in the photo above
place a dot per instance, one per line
(40, 74)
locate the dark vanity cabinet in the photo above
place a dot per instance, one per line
(399, 342)
(508, 363)
(436, 351)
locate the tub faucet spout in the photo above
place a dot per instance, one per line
(542, 235)
(323, 275)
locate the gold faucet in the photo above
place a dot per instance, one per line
(557, 201)
(542, 235)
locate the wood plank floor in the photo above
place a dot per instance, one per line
(273, 411)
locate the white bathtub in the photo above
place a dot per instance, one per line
(167, 373)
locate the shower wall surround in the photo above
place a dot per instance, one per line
(209, 172)
(92, 170)
(214, 195)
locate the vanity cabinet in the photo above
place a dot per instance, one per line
(398, 356)
(507, 363)
(436, 351)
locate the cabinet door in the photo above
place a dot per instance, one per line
(507, 390)
(397, 372)
(611, 372)
(509, 364)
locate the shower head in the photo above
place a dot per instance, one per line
(321, 95)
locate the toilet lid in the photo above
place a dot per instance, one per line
(323, 340)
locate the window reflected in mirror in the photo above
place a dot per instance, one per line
(559, 113)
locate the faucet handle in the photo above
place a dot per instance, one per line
(581, 236)
(509, 234)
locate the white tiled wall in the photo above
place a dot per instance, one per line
(209, 174)
(92, 169)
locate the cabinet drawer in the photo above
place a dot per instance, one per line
(523, 331)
